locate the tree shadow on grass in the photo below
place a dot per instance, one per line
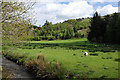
(84, 45)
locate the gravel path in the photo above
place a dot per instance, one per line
(14, 70)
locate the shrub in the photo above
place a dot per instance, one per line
(19, 59)
(44, 37)
(52, 38)
(45, 70)
(117, 59)
(94, 54)
(36, 38)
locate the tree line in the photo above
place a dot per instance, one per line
(73, 28)
(105, 29)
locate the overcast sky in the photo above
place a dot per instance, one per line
(60, 10)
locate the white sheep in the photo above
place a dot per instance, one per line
(86, 53)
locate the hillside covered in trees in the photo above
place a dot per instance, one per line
(73, 28)
(102, 29)
(105, 29)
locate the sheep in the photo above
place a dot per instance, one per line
(86, 53)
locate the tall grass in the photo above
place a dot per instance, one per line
(45, 70)
(39, 66)
(44, 58)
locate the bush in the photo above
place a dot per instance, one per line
(36, 38)
(94, 54)
(45, 70)
(52, 38)
(44, 37)
(19, 59)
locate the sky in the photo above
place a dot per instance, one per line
(56, 11)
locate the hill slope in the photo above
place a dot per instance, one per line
(73, 28)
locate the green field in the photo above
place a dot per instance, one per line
(102, 60)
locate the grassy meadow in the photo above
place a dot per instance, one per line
(102, 61)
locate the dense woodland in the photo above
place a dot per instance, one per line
(73, 28)
(105, 29)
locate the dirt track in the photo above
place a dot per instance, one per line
(12, 70)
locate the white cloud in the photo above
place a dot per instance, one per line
(101, 1)
(75, 9)
(56, 12)
(57, 1)
(108, 9)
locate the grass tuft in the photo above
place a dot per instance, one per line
(45, 70)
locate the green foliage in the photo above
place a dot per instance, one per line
(70, 54)
(38, 38)
(112, 33)
(106, 29)
(45, 70)
(16, 25)
(66, 30)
